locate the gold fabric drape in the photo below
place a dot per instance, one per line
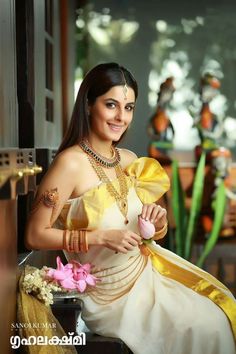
(202, 283)
(32, 313)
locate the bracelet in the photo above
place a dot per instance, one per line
(72, 241)
(83, 240)
(75, 241)
(66, 240)
(161, 233)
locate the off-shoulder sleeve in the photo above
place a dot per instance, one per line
(151, 180)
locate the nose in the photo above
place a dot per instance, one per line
(120, 115)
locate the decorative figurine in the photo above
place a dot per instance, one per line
(209, 128)
(160, 128)
(220, 170)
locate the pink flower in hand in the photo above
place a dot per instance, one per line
(146, 228)
(63, 274)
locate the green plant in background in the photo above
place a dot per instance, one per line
(219, 207)
(198, 186)
(179, 210)
(186, 220)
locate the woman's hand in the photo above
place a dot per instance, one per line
(154, 213)
(120, 240)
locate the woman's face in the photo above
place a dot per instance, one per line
(111, 113)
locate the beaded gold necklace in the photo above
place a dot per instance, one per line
(97, 162)
(104, 161)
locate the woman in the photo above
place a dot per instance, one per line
(88, 204)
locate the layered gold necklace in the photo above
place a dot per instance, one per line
(97, 161)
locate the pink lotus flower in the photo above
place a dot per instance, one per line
(63, 274)
(146, 228)
(82, 276)
(72, 276)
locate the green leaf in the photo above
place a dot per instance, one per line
(163, 144)
(220, 203)
(147, 241)
(178, 207)
(195, 208)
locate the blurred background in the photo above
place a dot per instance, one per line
(155, 40)
(183, 55)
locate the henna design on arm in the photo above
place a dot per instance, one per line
(50, 199)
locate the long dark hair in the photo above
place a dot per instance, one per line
(96, 83)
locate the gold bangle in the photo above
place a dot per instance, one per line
(66, 240)
(79, 241)
(161, 233)
(71, 244)
(83, 242)
(75, 241)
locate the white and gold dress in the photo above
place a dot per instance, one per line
(157, 303)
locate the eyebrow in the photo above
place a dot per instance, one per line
(113, 99)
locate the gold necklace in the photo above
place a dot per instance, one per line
(121, 198)
(103, 161)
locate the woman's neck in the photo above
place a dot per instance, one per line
(100, 146)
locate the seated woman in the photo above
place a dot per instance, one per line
(88, 205)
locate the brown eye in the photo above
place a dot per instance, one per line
(110, 105)
(130, 108)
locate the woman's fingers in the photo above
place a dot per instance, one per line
(160, 216)
(146, 211)
(131, 239)
(133, 242)
(149, 211)
(136, 237)
(122, 240)
(127, 247)
(153, 212)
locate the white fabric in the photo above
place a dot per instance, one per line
(158, 315)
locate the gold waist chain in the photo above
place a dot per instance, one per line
(115, 285)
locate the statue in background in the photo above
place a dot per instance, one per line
(209, 127)
(160, 128)
(220, 167)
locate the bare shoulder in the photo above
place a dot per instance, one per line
(71, 159)
(127, 157)
(62, 173)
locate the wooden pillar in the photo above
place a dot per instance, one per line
(17, 178)
(8, 256)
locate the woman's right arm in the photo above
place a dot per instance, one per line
(61, 177)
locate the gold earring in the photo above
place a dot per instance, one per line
(125, 86)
